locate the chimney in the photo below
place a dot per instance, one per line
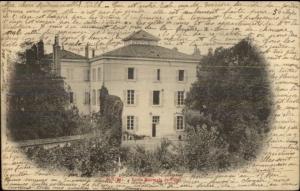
(87, 50)
(40, 49)
(56, 40)
(56, 57)
(93, 53)
(34, 53)
(196, 51)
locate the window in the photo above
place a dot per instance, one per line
(156, 95)
(155, 119)
(71, 94)
(87, 75)
(130, 74)
(94, 74)
(158, 74)
(130, 97)
(181, 75)
(180, 98)
(87, 98)
(99, 74)
(94, 97)
(130, 122)
(179, 122)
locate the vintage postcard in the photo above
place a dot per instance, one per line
(149, 95)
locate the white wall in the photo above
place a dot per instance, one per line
(115, 72)
(114, 76)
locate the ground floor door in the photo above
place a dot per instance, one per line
(153, 130)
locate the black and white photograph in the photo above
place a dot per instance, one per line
(150, 95)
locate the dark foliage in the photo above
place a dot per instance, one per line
(83, 158)
(98, 155)
(38, 103)
(231, 96)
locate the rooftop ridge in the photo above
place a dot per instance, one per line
(146, 51)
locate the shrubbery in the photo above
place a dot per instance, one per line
(85, 158)
(38, 103)
(142, 162)
(97, 157)
(228, 108)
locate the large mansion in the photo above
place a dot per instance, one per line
(151, 80)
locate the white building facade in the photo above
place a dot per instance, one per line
(152, 81)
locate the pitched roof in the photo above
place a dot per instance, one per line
(147, 51)
(65, 54)
(141, 35)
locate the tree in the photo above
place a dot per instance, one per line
(232, 94)
(38, 102)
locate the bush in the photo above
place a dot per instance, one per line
(142, 162)
(163, 155)
(166, 157)
(228, 108)
(89, 157)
